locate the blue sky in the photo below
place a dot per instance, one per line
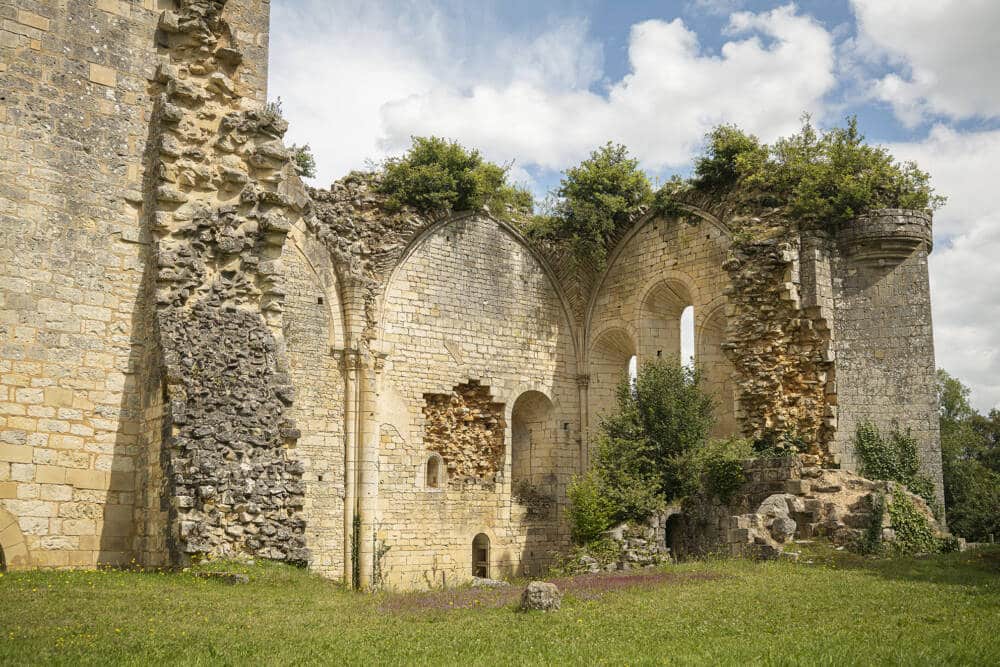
(540, 84)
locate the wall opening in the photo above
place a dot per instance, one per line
(610, 358)
(466, 428)
(717, 371)
(687, 337)
(3, 561)
(666, 323)
(532, 438)
(434, 472)
(481, 556)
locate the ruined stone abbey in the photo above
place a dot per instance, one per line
(199, 355)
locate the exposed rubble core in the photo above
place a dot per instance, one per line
(220, 214)
(779, 348)
(467, 429)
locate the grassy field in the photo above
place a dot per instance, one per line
(833, 610)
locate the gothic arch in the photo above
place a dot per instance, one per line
(418, 239)
(717, 370)
(607, 362)
(623, 242)
(660, 307)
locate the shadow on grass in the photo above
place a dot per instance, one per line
(579, 587)
(970, 568)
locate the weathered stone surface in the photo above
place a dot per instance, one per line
(541, 596)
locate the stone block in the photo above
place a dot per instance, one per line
(87, 479)
(102, 75)
(32, 19)
(47, 474)
(59, 397)
(16, 454)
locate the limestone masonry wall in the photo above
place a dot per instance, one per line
(469, 303)
(75, 113)
(883, 337)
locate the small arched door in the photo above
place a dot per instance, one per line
(481, 556)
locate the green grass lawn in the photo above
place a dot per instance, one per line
(834, 610)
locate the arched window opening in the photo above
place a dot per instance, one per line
(687, 337)
(633, 370)
(434, 472)
(481, 556)
(717, 371)
(666, 323)
(610, 359)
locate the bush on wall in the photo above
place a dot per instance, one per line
(893, 457)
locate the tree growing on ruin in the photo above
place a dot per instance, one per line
(597, 198)
(436, 177)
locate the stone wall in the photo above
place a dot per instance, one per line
(470, 307)
(313, 335)
(883, 337)
(75, 108)
(662, 266)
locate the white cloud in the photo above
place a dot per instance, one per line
(359, 79)
(661, 109)
(946, 51)
(965, 274)
(717, 7)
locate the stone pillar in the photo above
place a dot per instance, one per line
(583, 383)
(883, 338)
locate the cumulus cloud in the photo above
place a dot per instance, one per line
(673, 94)
(964, 272)
(944, 53)
(360, 78)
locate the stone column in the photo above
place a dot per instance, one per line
(583, 384)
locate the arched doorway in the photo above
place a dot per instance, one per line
(481, 556)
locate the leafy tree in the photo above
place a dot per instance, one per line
(438, 176)
(594, 200)
(970, 453)
(643, 451)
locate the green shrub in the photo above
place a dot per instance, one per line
(720, 464)
(823, 178)
(871, 541)
(594, 200)
(303, 159)
(589, 512)
(730, 154)
(893, 457)
(914, 534)
(437, 176)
